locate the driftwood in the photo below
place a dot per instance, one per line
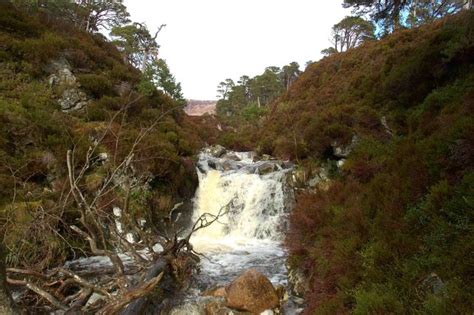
(137, 306)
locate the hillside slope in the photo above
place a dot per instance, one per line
(391, 124)
(63, 89)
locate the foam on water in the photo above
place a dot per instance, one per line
(249, 233)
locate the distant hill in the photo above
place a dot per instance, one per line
(200, 107)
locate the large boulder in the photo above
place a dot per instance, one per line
(252, 292)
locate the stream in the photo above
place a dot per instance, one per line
(253, 199)
(256, 199)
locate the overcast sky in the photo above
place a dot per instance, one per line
(207, 41)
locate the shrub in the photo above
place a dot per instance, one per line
(96, 84)
(377, 300)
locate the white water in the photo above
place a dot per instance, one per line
(250, 232)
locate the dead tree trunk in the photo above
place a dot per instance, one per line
(137, 306)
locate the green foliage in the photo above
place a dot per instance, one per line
(392, 14)
(159, 75)
(349, 33)
(378, 300)
(243, 105)
(136, 43)
(97, 85)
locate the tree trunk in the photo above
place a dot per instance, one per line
(137, 306)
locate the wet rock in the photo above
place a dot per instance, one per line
(217, 307)
(215, 292)
(188, 309)
(231, 156)
(212, 164)
(217, 150)
(252, 292)
(267, 168)
(227, 165)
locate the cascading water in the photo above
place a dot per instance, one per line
(253, 200)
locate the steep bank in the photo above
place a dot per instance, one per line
(392, 231)
(64, 89)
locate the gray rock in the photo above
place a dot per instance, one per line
(298, 177)
(123, 89)
(343, 151)
(231, 156)
(103, 157)
(62, 79)
(267, 168)
(73, 99)
(217, 150)
(212, 164)
(205, 306)
(298, 282)
(320, 177)
(433, 284)
(385, 125)
(226, 166)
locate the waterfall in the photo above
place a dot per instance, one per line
(254, 205)
(253, 198)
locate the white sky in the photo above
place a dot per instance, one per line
(207, 41)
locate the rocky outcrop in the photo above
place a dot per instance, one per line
(252, 292)
(64, 82)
